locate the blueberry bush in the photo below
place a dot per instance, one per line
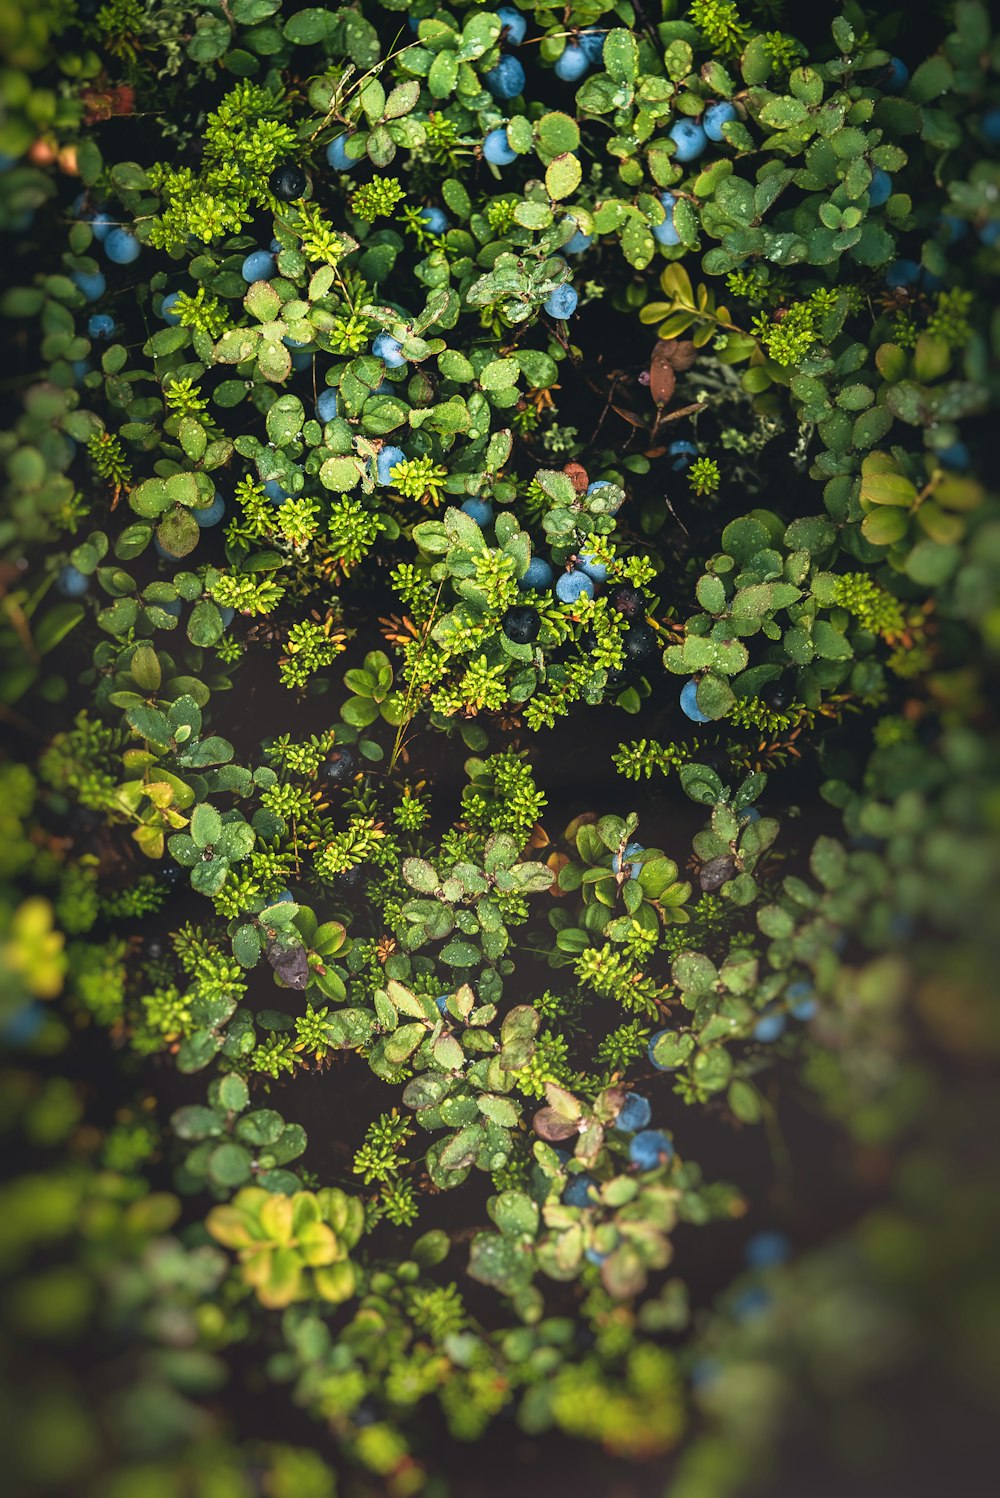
(500, 624)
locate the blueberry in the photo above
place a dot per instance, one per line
(434, 220)
(389, 350)
(212, 514)
(592, 45)
(896, 75)
(881, 188)
(521, 624)
(570, 585)
(386, 461)
(275, 493)
(577, 1192)
(563, 302)
(649, 1148)
(339, 767)
(71, 582)
(337, 157)
(715, 116)
(627, 600)
(683, 453)
(750, 1302)
(956, 455)
(765, 1250)
(497, 148)
(284, 897)
(101, 325)
(801, 1000)
(651, 1049)
(957, 227)
(572, 64)
(91, 283)
(479, 510)
(121, 247)
(770, 1027)
(80, 369)
(594, 569)
(903, 273)
(629, 860)
(227, 615)
(689, 703)
(598, 484)
(990, 125)
(666, 233)
(594, 1256)
(748, 814)
(578, 243)
(776, 695)
(21, 1027)
(301, 353)
(641, 645)
(167, 308)
(515, 27)
(259, 265)
(635, 1113)
(506, 80)
(326, 405)
(287, 181)
(538, 576)
(990, 233)
(101, 226)
(689, 138)
(442, 1002)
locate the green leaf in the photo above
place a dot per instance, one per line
(206, 825)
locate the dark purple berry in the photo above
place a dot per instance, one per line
(350, 879)
(627, 600)
(521, 624)
(641, 645)
(339, 767)
(287, 181)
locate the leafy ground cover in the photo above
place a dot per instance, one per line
(500, 624)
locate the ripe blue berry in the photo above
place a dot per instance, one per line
(434, 219)
(577, 1192)
(748, 814)
(897, 76)
(227, 615)
(71, 582)
(683, 454)
(635, 1113)
(570, 585)
(649, 1148)
(903, 273)
(578, 243)
(479, 510)
(442, 1002)
(497, 149)
(592, 567)
(386, 461)
(515, 27)
(337, 157)
(91, 283)
(749, 1303)
(121, 247)
(715, 116)
(592, 45)
(389, 350)
(572, 64)
(770, 1027)
(689, 703)
(990, 126)
(666, 233)
(880, 190)
(506, 80)
(538, 576)
(101, 325)
(594, 1256)
(764, 1250)
(689, 138)
(326, 405)
(275, 493)
(167, 308)
(212, 513)
(632, 851)
(259, 265)
(101, 226)
(956, 455)
(801, 1000)
(562, 302)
